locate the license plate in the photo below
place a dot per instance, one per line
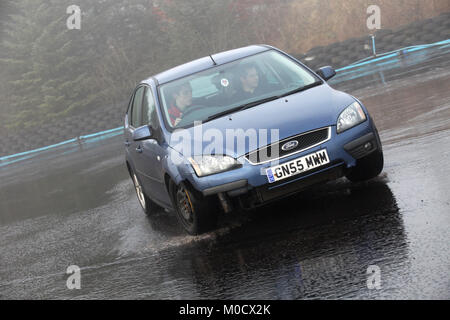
(297, 166)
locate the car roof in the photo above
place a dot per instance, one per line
(206, 63)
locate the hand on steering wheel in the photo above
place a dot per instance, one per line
(192, 109)
(177, 121)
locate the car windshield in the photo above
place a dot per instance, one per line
(231, 87)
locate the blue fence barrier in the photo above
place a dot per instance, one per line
(80, 139)
(394, 53)
(5, 160)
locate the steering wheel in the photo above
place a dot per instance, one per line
(192, 109)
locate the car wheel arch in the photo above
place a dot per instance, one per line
(172, 185)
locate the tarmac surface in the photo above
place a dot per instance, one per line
(76, 205)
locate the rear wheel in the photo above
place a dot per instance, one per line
(146, 203)
(368, 167)
(197, 214)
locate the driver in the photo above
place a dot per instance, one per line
(250, 82)
(181, 100)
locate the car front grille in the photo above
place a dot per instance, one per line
(274, 151)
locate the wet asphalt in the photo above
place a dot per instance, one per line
(76, 206)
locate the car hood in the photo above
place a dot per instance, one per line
(301, 112)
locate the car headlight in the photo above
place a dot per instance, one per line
(207, 165)
(350, 117)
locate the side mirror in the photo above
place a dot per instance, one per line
(326, 73)
(142, 133)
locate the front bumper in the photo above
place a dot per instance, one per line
(250, 181)
(363, 146)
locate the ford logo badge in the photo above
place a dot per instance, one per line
(289, 145)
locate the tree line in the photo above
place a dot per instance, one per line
(49, 71)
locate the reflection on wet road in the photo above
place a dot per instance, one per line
(78, 207)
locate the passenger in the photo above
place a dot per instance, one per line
(182, 98)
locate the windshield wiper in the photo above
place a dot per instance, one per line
(258, 102)
(242, 107)
(221, 114)
(309, 86)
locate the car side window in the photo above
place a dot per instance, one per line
(149, 110)
(136, 112)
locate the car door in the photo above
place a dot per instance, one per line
(151, 152)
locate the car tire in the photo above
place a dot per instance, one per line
(196, 213)
(146, 203)
(367, 168)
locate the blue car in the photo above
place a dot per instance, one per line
(239, 129)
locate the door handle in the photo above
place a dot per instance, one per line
(139, 149)
(127, 143)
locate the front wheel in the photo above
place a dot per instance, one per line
(367, 168)
(197, 214)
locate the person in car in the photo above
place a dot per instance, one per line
(182, 99)
(249, 83)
